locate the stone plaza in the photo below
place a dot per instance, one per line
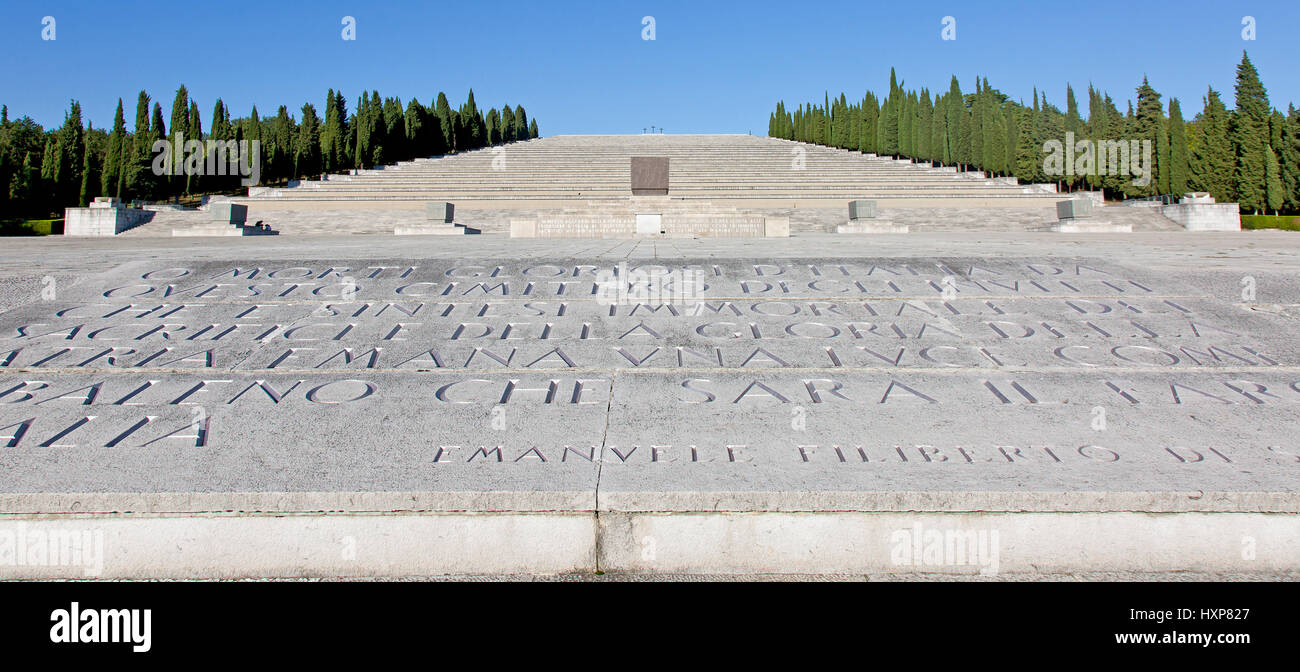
(985, 395)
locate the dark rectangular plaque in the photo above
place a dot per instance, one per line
(649, 176)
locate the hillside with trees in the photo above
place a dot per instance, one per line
(43, 171)
(1249, 155)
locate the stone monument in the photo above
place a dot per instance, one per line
(862, 219)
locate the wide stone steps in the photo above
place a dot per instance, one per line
(702, 166)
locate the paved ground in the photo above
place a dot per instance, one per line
(1071, 406)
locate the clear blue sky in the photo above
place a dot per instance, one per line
(582, 67)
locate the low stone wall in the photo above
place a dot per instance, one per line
(102, 221)
(1205, 216)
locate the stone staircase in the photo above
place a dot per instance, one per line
(585, 168)
(590, 175)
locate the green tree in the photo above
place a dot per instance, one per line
(1178, 154)
(1150, 129)
(509, 129)
(307, 144)
(1249, 133)
(117, 157)
(1212, 158)
(90, 174)
(1027, 166)
(444, 113)
(1289, 155)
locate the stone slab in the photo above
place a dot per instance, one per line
(853, 395)
(872, 226)
(1090, 226)
(429, 230)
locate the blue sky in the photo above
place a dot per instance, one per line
(583, 67)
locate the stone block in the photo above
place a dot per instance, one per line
(650, 175)
(1074, 209)
(228, 213)
(862, 210)
(440, 212)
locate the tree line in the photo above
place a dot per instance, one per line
(1249, 155)
(43, 171)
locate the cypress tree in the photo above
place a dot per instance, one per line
(378, 130)
(1027, 167)
(181, 112)
(365, 129)
(1289, 154)
(192, 181)
(118, 153)
(1178, 153)
(493, 121)
(444, 119)
(331, 135)
(71, 160)
(1250, 135)
(521, 123)
(90, 174)
(892, 116)
(509, 127)
(939, 131)
(307, 144)
(955, 111)
(1150, 128)
(533, 131)
(416, 141)
(1213, 161)
(1011, 139)
(1273, 182)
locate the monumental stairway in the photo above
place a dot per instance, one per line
(812, 185)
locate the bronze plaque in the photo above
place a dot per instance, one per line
(649, 176)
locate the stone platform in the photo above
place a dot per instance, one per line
(820, 405)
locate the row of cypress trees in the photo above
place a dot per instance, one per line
(43, 171)
(1249, 155)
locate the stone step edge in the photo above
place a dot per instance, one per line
(591, 501)
(412, 545)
